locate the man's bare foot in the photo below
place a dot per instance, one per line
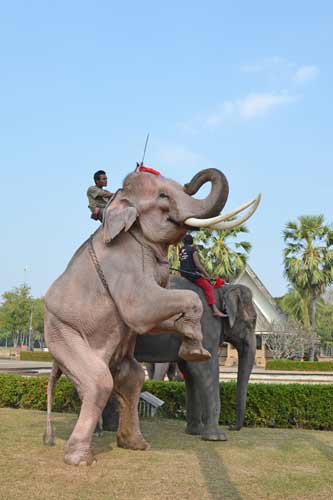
(217, 312)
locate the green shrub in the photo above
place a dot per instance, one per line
(173, 395)
(268, 405)
(35, 356)
(289, 365)
(30, 392)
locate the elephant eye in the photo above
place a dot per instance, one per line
(163, 195)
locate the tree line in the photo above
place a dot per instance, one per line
(21, 316)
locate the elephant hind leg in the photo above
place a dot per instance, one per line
(55, 374)
(94, 383)
(128, 383)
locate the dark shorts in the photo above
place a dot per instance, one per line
(100, 215)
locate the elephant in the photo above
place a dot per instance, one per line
(202, 379)
(158, 371)
(115, 288)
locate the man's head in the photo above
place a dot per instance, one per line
(188, 240)
(100, 178)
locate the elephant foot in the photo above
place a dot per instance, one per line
(193, 350)
(213, 434)
(234, 427)
(132, 443)
(194, 430)
(79, 456)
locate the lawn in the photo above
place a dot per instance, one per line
(256, 464)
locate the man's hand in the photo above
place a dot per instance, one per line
(107, 194)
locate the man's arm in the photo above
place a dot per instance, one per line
(107, 194)
(95, 191)
(199, 266)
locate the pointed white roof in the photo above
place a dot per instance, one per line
(267, 309)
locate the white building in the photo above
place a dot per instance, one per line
(267, 313)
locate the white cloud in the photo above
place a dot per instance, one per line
(252, 106)
(259, 104)
(306, 73)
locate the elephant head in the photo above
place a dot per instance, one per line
(239, 330)
(164, 210)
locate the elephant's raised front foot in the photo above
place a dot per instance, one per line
(193, 350)
(78, 456)
(213, 433)
(136, 442)
(194, 429)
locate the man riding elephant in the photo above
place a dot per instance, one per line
(97, 196)
(115, 288)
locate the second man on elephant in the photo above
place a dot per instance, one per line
(192, 269)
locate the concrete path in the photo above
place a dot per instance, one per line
(259, 375)
(31, 367)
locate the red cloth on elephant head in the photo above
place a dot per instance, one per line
(142, 168)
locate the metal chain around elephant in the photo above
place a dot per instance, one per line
(97, 265)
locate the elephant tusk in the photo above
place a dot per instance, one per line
(223, 226)
(212, 221)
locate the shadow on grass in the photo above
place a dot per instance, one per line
(325, 449)
(216, 475)
(214, 471)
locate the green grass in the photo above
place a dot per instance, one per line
(289, 365)
(35, 356)
(256, 464)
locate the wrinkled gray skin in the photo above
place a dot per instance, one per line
(91, 333)
(202, 379)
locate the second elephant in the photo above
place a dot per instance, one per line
(202, 379)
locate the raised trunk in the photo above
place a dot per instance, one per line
(215, 201)
(246, 356)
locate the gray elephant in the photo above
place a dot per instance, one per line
(158, 371)
(202, 379)
(114, 288)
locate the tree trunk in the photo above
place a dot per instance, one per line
(313, 330)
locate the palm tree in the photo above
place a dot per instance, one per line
(173, 257)
(221, 254)
(308, 261)
(296, 306)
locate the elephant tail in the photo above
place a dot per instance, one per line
(55, 374)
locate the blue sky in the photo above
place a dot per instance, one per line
(245, 87)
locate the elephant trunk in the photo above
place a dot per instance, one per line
(215, 201)
(246, 357)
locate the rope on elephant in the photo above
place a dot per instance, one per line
(97, 265)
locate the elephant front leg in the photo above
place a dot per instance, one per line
(203, 381)
(173, 311)
(193, 402)
(128, 382)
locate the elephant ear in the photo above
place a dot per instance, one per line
(119, 216)
(231, 301)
